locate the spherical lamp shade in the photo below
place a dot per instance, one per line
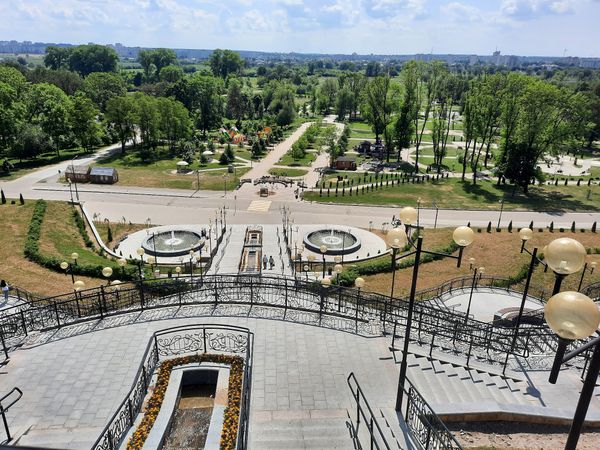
(64, 265)
(396, 238)
(572, 315)
(337, 259)
(115, 284)
(122, 262)
(463, 236)
(140, 251)
(78, 285)
(565, 256)
(326, 282)
(481, 270)
(323, 248)
(359, 282)
(471, 261)
(311, 257)
(178, 269)
(74, 256)
(306, 268)
(525, 234)
(107, 272)
(593, 265)
(338, 268)
(151, 259)
(408, 215)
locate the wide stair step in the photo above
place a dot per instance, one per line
(59, 438)
(301, 433)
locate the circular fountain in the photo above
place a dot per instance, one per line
(338, 242)
(172, 243)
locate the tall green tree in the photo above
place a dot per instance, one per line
(57, 57)
(84, 121)
(175, 121)
(121, 117)
(86, 59)
(225, 62)
(100, 87)
(379, 105)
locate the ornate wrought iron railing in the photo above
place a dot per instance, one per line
(177, 341)
(345, 308)
(426, 427)
(364, 413)
(592, 291)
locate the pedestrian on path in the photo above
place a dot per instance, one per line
(271, 262)
(265, 261)
(5, 289)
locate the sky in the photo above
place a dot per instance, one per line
(521, 27)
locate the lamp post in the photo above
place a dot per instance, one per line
(476, 271)
(359, 283)
(592, 265)
(224, 184)
(122, 262)
(199, 262)
(107, 273)
(463, 236)
(501, 209)
(572, 315)
(306, 269)
(396, 239)
(74, 257)
(71, 192)
(323, 248)
(178, 271)
(65, 266)
(325, 284)
(191, 263)
(74, 177)
(140, 251)
(311, 260)
(152, 261)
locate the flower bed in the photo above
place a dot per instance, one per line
(232, 411)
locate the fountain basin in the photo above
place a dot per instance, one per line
(338, 242)
(173, 243)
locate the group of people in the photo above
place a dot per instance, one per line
(268, 260)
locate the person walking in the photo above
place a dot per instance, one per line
(265, 261)
(271, 262)
(5, 289)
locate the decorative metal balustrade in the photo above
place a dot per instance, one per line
(364, 414)
(426, 428)
(345, 308)
(178, 341)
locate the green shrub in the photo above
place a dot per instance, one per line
(81, 228)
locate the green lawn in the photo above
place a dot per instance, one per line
(453, 193)
(159, 172)
(287, 160)
(28, 165)
(278, 171)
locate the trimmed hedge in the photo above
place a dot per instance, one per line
(81, 227)
(383, 265)
(32, 251)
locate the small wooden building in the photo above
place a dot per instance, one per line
(104, 175)
(345, 163)
(77, 174)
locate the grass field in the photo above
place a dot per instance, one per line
(19, 271)
(506, 261)
(158, 173)
(453, 193)
(287, 172)
(307, 160)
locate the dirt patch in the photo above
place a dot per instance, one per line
(511, 435)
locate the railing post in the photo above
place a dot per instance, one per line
(23, 323)
(204, 339)
(77, 303)
(286, 295)
(130, 412)
(111, 444)
(56, 312)
(251, 293)
(101, 301)
(469, 353)
(4, 349)
(8, 436)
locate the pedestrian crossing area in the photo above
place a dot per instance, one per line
(259, 205)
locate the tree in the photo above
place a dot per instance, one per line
(11, 115)
(86, 59)
(175, 123)
(378, 105)
(68, 81)
(32, 141)
(100, 87)
(225, 62)
(344, 104)
(355, 83)
(286, 115)
(237, 102)
(49, 107)
(204, 100)
(147, 118)
(153, 61)
(171, 74)
(85, 126)
(120, 114)
(328, 91)
(57, 57)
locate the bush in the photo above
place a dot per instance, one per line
(223, 159)
(32, 251)
(21, 199)
(81, 228)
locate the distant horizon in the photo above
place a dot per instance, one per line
(124, 44)
(380, 27)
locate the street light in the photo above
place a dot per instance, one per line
(177, 271)
(74, 257)
(311, 260)
(140, 251)
(107, 273)
(323, 249)
(463, 236)
(191, 263)
(592, 265)
(572, 315)
(306, 269)
(65, 266)
(395, 239)
(78, 285)
(564, 256)
(122, 262)
(476, 271)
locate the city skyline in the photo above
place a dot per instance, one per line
(520, 27)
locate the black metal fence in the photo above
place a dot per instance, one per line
(351, 309)
(426, 427)
(178, 341)
(364, 414)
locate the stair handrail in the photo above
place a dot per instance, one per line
(4, 409)
(376, 436)
(425, 426)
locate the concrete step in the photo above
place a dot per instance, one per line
(60, 438)
(302, 433)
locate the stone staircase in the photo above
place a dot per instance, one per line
(59, 438)
(315, 430)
